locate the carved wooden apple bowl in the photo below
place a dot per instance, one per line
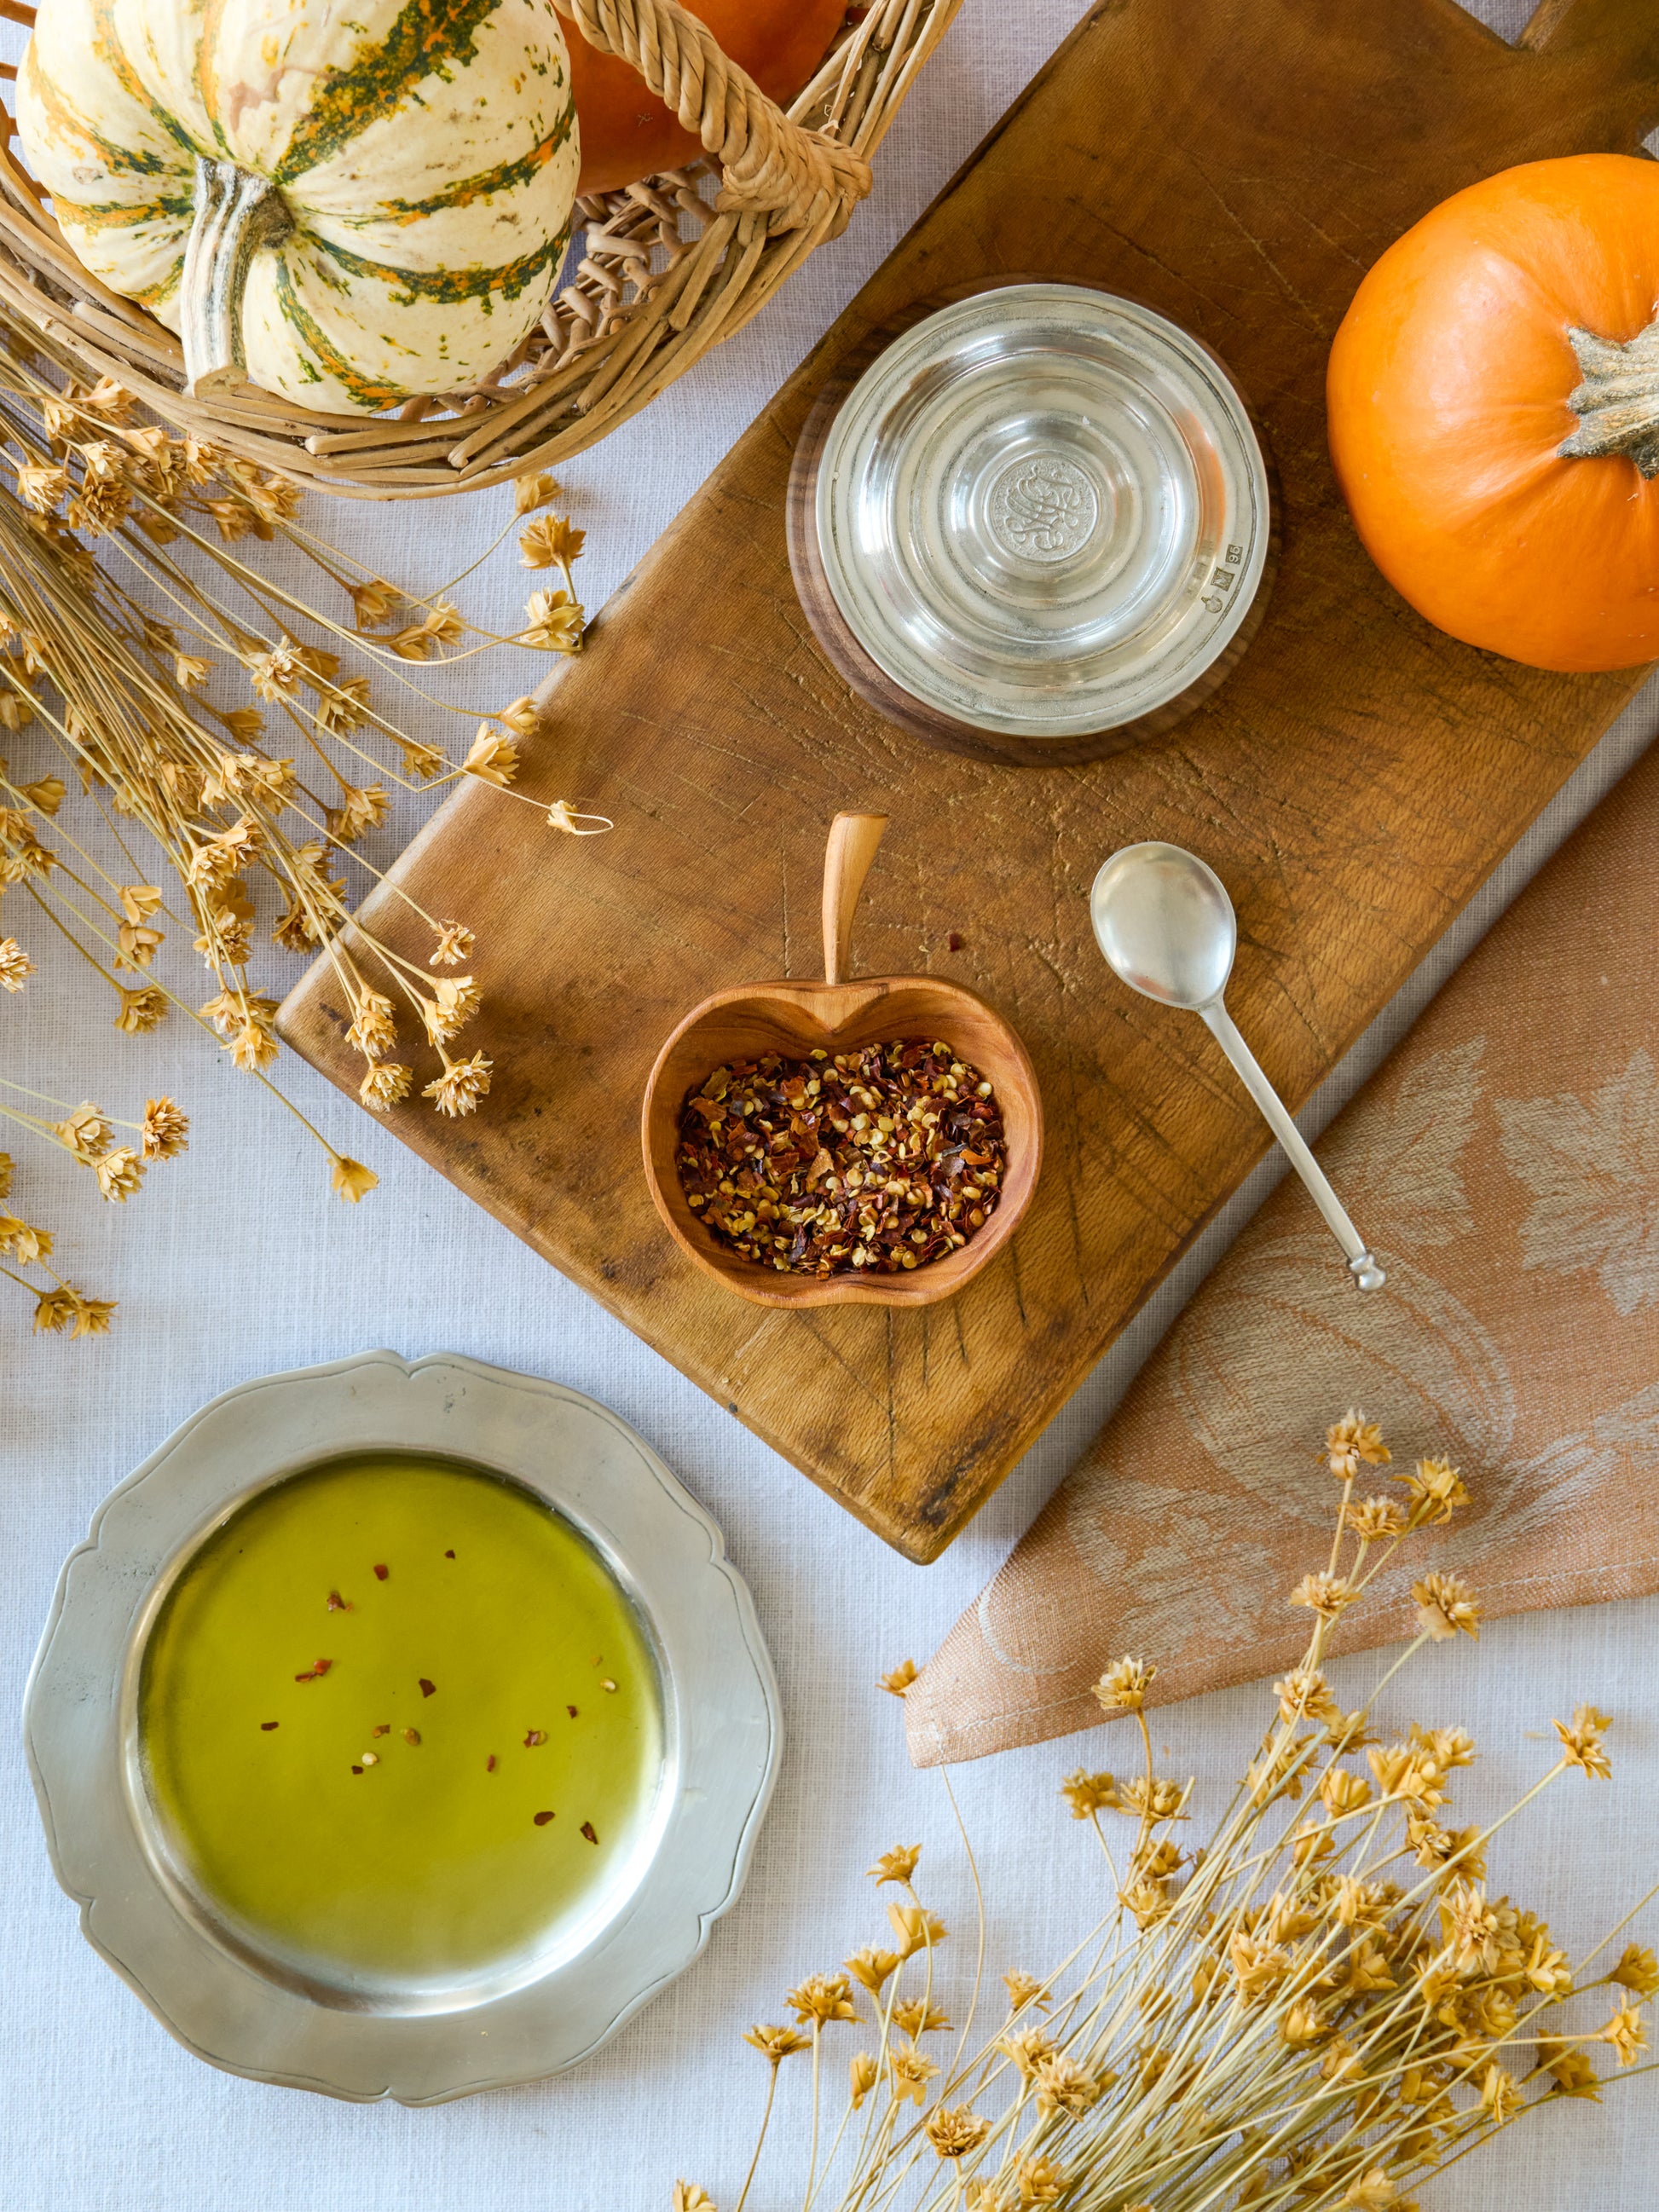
(795, 1019)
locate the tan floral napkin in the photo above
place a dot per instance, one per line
(1504, 1163)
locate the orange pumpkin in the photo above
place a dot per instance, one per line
(1494, 413)
(627, 132)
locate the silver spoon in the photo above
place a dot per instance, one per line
(1167, 927)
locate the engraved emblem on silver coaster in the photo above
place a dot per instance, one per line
(1043, 508)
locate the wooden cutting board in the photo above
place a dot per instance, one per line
(1237, 164)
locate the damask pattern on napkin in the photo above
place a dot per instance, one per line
(1504, 1164)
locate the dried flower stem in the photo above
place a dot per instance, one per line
(1283, 2019)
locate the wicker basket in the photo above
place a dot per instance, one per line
(668, 267)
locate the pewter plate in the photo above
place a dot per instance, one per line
(1043, 510)
(720, 1729)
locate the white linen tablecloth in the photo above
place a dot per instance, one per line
(236, 1260)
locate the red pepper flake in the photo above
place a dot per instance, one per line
(380, 1572)
(315, 1672)
(381, 1728)
(265, 1727)
(427, 1688)
(489, 1764)
(535, 1736)
(879, 1160)
(571, 1710)
(357, 1770)
(953, 942)
(449, 1555)
(587, 1830)
(412, 1735)
(541, 1818)
(337, 1604)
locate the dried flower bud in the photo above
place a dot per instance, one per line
(1063, 2086)
(897, 1865)
(552, 542)
(493, 758)
(461, 1085)
(954, 2130)
(371, 603)
(86, 1133)
(358, 810)
(1582, 1745)
(1122, 1688)
(554, 623)
(1445, 1606)
(1437, 1491)
(455, 943)
(916, 1929)
(533, 491)
(23, 1243)
(1041, 2181)
(64, 1308)
(351, 1180)
(909, 2073)
(1352, 1441)
(385, 1085)
(821, 1997)
(871, 1968)
(1326, 1595)
(1088, 1794)
(1636, 1970)
(120, 1174)
(776, 2043)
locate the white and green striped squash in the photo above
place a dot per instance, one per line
(349, 202)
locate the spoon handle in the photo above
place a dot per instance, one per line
(1361, 1264)
(852, 842)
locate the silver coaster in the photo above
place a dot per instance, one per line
(1043, 510)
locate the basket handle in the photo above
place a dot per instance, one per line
(770, 166)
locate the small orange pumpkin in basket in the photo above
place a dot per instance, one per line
(626, 131)
(1493, 396)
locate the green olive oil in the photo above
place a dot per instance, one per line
(401, 1722)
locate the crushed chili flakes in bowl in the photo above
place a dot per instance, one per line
(874, 1161)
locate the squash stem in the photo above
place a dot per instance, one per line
(236, 212)
(1618, 403)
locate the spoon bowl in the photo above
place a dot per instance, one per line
(1165, 924)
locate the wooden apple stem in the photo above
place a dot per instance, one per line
(852, 842)
(1618, 402)
(235, 212)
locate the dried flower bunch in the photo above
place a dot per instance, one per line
(106, 660)
(1320, 2006)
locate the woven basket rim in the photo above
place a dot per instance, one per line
(669, 266)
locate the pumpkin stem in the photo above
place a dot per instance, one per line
(1618, 402)
(236, 211)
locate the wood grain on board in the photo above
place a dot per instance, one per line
(1237, 167)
